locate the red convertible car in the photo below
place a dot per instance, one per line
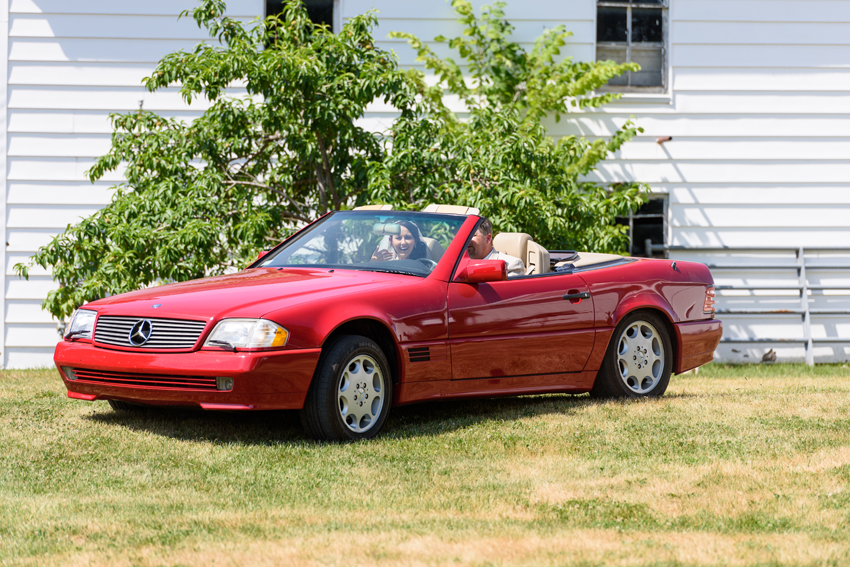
(363, 310)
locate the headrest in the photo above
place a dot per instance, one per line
(435, 249)
(512, 243)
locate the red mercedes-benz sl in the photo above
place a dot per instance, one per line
(367, 309)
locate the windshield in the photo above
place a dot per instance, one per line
(381, 241)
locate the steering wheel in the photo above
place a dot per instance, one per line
(429, 263)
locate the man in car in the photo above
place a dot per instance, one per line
(481, 248)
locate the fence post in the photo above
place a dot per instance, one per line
(804, 304)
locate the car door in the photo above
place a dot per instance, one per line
(526, 326)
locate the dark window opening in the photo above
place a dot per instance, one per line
(633, 31)
(648, 223)
(319, 11)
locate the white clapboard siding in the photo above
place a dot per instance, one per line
(46, 215)
(57, 169)
(36, 287)
(30, 357)
(749, 103)
(757, 193)
(766, 33)
(83, 98)
(762, 11)
(753, 215)
(71, 64)
(778, 56)
(819, 80)
(77, 121)
(563, 11)
(25, 311)
(723, 172)
(28, 240)
(694, 148)
(58, 193)
(79, 74)
(758, 111)
(247, 8)
(99, 50)
(104, 27)
(32, 335)
(59, 145)
(811, 236)
(794, 124)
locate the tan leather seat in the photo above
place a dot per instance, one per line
(435, 249)
(518, 244)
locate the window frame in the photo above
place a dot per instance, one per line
(663, 215)
(336, 16)
(664, 6)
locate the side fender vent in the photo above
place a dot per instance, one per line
(419, 354)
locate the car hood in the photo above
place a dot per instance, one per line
(251, 293)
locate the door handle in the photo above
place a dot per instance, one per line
(582, 295)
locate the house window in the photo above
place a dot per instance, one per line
(648, 223)
(319, 11)
(634, 31)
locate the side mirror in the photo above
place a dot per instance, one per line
(483, 271)
(262, 253)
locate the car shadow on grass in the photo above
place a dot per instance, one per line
(276, 427)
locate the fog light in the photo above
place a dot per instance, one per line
(224, 383)
(69, 373)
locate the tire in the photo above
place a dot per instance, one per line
(351, 392)
(639, 359)
(117, 405)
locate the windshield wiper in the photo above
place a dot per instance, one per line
(216, 342)
(389, 271)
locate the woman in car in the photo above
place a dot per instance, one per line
(407, 245)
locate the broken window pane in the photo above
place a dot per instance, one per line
(612, 25)
(647, 26)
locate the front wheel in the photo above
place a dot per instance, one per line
(639, 359)
(351, 392)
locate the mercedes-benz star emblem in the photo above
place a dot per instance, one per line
(141, 332)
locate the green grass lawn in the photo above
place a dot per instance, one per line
(746, 465)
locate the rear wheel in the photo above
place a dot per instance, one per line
(350, 396)
(639, 359)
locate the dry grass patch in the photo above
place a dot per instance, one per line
(735, 466)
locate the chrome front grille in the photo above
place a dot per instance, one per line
(165, 333)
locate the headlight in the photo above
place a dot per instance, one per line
(82, 323)
(247, 333)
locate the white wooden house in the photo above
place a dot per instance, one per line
(753, 95)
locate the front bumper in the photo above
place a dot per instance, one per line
(261, 380)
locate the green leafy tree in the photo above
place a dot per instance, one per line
(501, 158)
(203, 197)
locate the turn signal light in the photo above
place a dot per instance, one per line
(708, 306)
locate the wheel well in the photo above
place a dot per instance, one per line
(668, 324)
(377, 332)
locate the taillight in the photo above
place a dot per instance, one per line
(708, 306)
